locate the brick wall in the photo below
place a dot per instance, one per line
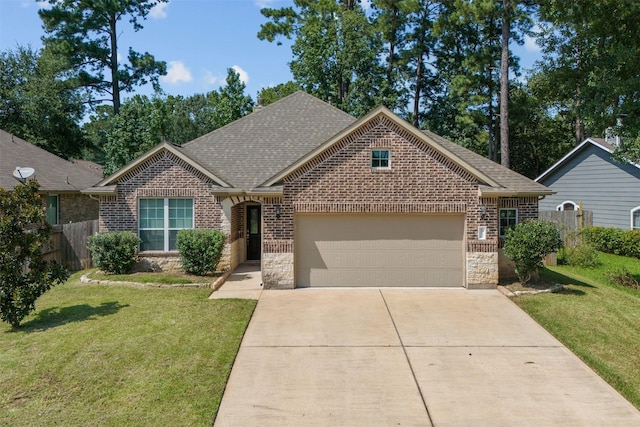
(163, 175)
(341, 180)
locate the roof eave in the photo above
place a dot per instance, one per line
(505, 192)
(257, 191)
(107, 190)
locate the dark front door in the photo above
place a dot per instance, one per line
(254, 232)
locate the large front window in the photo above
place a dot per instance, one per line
(160, 220)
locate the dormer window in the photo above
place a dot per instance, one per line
(380, 159)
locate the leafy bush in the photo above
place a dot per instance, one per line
(581, 255)
(114, 252)
(623, 277)
(528, 243)
(24, 232)
(200, 250)
(613, 240)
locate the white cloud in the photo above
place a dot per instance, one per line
(177, 73)
(366, 4)
(244, 76)
(40, 4)
(264, 3)
(209, 79)
(530, 44)
(158, 11)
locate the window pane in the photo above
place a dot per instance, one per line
(380, 158)
(636, 220)
(52, 210)
(173, 236)
(180, 213)
(152, 240)
(151, 213)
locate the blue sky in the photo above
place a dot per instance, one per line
(199, 40)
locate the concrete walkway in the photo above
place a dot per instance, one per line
(245, 282)
(418, 357)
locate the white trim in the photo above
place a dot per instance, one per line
(560, 207)
(637, 208)
(506, 209)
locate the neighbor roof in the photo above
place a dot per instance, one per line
(596, 142)
(52, 172)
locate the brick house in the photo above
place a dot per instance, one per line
(60, 180)
(323, 199)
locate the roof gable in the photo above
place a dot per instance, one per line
(494, 178)
(53, 173)
(158, 149)
(598, 143)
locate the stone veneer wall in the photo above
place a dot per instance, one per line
(420, 180)
(163, 175)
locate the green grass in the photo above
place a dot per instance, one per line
(117, 355)
(598, 321)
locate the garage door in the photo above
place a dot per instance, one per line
(379, 250)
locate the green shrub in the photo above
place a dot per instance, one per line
(613, 240)
(115, 252)
(623, 277)
(581, 255)
(200, 250)
(528, 243)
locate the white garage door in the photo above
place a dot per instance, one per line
(379, 250)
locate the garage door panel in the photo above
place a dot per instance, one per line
(379, 250)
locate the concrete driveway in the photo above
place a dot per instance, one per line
(415, 357)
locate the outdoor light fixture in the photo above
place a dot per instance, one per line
(278, 211)
(483, 212)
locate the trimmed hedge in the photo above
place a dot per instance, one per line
(200, 250)
(613, 240)
(114, 252)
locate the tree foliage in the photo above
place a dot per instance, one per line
(144, 122)
(87, 32)
(269, 95)
(24, 232)
(38, 104)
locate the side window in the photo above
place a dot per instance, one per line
(508, 219)
(567, 206)
(635, 218)
(52, 209)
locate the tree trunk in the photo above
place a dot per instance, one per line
(416, 93)
(115, 83)
(504, 85)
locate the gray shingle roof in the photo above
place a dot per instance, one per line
(509, 180)
(52, 172)
(250, 150)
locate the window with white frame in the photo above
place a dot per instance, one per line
(635, 218)
(567, 206)
(380, 159)
(508, 219)
(159, 221)
(53, 209)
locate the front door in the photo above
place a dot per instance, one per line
(254, 232)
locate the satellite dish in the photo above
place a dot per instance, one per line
(22, 174)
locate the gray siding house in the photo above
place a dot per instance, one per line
(588, 174)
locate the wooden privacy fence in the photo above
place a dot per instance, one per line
(69, 244)
(568, 221)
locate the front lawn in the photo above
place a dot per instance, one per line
(117, 355)
(598, 321)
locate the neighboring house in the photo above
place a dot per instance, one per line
(588, 175)
(323, 199)
(60, 180)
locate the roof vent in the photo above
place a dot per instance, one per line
(259, 106)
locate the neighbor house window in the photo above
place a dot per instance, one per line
(380, 159)
(508, 219)
(635, 218)
(52, 209)
(160, 220)
(567, 206)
